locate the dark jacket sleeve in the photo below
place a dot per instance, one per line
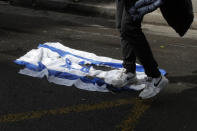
(178, 14)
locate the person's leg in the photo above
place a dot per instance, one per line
(128, 55)
(119, 12)
(129, 58)
(134, 44)
(127, 75)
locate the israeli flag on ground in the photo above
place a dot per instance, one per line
(65, 66)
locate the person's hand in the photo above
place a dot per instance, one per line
(142, 7)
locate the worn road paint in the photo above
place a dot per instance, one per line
(126, 125)
(77, 108)
(136, 112)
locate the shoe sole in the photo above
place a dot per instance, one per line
(115, 89)
(133, 82)
(157, 90)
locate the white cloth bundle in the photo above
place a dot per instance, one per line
(66, 66)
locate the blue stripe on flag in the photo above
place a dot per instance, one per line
(58, 74)
(70, 76)
(62, 53)
(30, 66)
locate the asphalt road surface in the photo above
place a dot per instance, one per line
(33, 104)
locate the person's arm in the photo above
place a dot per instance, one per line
(143, 7)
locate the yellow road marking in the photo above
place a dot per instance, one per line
(126, 125)
(137, 111)
(77, 108)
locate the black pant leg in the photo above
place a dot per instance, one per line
(119, 12)
(129, 57)
(134, 44)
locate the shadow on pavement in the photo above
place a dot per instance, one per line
(184, 79)
(172, 112)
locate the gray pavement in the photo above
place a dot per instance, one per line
(95, 8)
(32, 104)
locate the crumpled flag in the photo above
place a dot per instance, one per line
(65, 66)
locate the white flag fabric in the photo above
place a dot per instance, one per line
(65, 66)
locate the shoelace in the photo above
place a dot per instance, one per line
(148, 82)
(148, 79)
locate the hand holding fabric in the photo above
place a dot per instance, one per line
(143, 7)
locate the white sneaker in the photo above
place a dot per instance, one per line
(124, 79)
(153, 87)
